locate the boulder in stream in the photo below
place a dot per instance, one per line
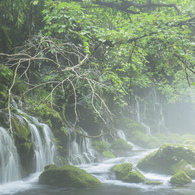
(67, 176)
(128, 173)
(180, 178)
(170, 159)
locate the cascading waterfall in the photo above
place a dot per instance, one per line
(158, 108)
(138, 111)
(44, 148)
(9, 161)
(80, 149)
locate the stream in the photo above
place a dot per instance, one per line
(110, 186)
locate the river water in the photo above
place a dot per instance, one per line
(111, 186)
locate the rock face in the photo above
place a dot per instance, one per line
(170, 159)
(127, 173)
(67, 176)
(180, 178)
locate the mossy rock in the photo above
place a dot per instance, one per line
(120, 147)
(22, 135)
(127, 173)
(22, 131)
(108, 154)
(67, 176)
(169, 159)
(143, 140)
(46, 114)
(132, 125)
(100, 146)
(180, 178)
(172, 138)
(150, 182)
(188, 139)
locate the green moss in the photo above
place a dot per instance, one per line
(188, 139)
(178, 166)
(172, 138)
(135, 126)
(180, 178)
(45, 113)
(68, 176)
(143, 140)
(120, 144)
(21, 130)
(108, 154)
(169, 159)
(51, 166)
(149, 182)
(127, 173)
(100, 146)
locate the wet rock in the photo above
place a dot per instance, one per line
(180, 178)
(67, 176)
(127, 173)
(170, 159)
(149, 182)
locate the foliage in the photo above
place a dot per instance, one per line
(93, 54)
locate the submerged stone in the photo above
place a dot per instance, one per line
(149, 182)
(127, 173)
(67, 176)
(180, 178)
(170, 159)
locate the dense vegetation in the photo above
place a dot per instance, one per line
(78, 62)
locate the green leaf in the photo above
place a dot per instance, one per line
(140, 29)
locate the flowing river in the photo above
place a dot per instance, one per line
(110, 186)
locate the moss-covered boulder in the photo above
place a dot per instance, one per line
(170, 159)
(67, 176)
(180, 178)
(120, 147)
(127, 173)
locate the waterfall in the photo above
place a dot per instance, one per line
(9, 161)
(80, 150)
(138, 114)
(44, 149)
(158, 108)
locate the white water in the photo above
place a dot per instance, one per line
(160, 117)
(44, 148)
(9, 161)
(103, 172)
(138, 113)
(45, 153)
(80, 150)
